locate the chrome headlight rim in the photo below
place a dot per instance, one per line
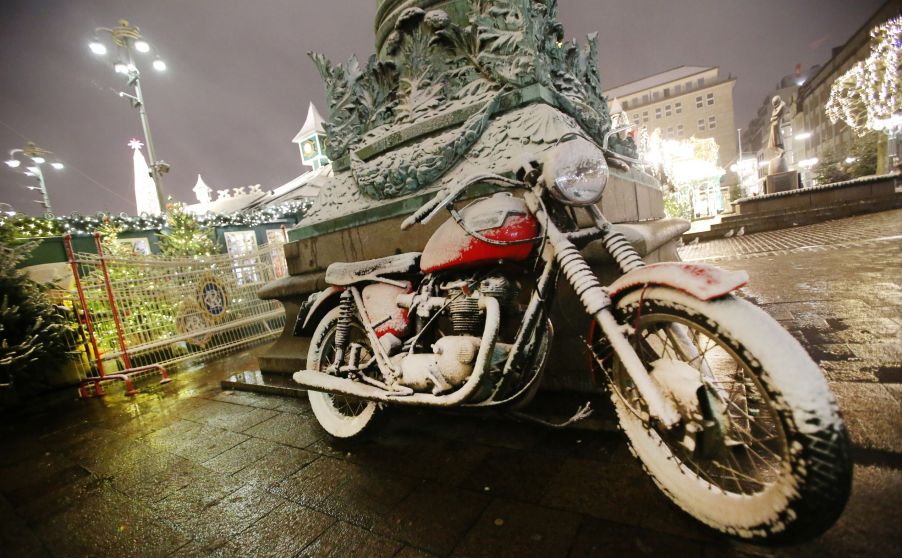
(563, 187)
(575, 171)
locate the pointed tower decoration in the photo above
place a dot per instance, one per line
(312, 140)
(146, 200)
(203, 192)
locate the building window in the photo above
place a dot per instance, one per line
(688, 85)
(666, 92)
(645, 98)
(667, 111)
(645, 117)
(710, 99)
(635, 101)
(676, 89)
(712, 122)
(655, 95)
(700, 81)
(680, 130)
(701, 125)
(626, 105)
(670, 131)
(658, 113)
(678, 108)
(698, 102)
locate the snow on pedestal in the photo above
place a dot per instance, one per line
(146, 200)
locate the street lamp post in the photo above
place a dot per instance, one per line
(34, 157)
(127, 39)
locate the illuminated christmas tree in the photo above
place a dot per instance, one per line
(867, 96)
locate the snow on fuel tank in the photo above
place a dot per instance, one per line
(499, 217)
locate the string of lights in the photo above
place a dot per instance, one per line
(867, 96)
(49, 225)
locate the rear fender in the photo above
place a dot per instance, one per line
(702, 281)
(314, 308)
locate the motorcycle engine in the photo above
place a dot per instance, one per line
(464, 310)
(451, 361)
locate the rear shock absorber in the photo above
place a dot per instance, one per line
(343, 327)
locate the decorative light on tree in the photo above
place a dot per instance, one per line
(868, 95)
(688, 167)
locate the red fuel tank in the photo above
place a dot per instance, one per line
(500, 217)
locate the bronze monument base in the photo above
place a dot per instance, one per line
(782, 182)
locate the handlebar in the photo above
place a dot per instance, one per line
(446, 196)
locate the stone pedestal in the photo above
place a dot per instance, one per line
(782, 182)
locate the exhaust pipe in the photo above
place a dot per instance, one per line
(319, 381)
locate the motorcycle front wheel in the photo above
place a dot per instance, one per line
(763, 454)
(339, 415)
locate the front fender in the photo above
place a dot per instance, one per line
(702, 281)
(311, 308)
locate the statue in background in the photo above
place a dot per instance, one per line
(775, 142)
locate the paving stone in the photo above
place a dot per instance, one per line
(108, 524)
(275, 466)
(508, 528)
(285, 531)
(618, 490)
(416, 454)
(870, 524)
(598, 538)
(313, 483)
(210, 519)
(229, 416)
(433, 517)
(365, 497)
(16, 537)
(156, 478)
(249, 399)
(872, 415)
(289, 429)
(343, 539)
(38, 475)
(512, 474)
(411, 552)
(297, 405)
(240, 456)
(202, 443)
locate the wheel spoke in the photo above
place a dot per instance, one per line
(754, 447)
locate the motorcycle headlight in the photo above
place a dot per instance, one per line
(576, 172)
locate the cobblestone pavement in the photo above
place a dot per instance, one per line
(190, 470)
(874, 228)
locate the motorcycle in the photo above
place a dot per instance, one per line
(725, 410)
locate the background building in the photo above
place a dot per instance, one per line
(810, 119)
(684, 102)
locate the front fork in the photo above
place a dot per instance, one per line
(597, 303)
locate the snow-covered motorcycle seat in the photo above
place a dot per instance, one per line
(347, 273)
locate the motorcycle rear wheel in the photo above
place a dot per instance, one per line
(781, 470)
(339, 415)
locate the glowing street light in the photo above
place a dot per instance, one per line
(127, 39)
(802, 136)
(33, 156)
(97, 47)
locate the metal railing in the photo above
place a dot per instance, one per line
(137, 314)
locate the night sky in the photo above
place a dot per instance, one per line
(239, 80)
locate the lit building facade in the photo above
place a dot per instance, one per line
(683, 103)
(689, 101)
(810, 120)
